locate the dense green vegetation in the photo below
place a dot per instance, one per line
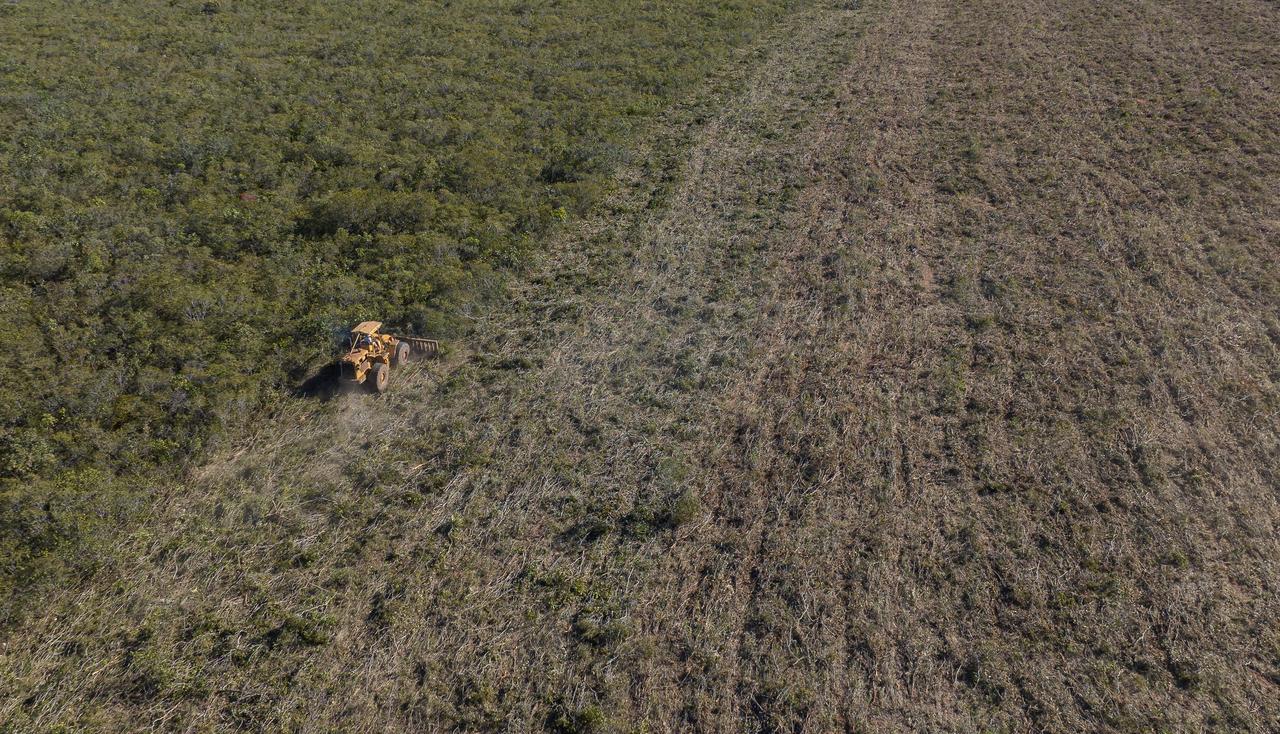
(196, 197)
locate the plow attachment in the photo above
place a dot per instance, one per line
(421, 347)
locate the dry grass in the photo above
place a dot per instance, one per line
(921, 377)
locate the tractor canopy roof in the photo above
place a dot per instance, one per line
(367, 327)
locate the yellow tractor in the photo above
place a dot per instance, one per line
(371, 355)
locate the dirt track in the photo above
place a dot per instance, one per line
(924, 380)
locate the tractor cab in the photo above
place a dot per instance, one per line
(363, 335)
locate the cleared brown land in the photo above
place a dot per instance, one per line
(922, 377)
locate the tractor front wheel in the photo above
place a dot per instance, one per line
(402, 354)
(379, 376)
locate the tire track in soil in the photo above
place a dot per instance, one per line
(743, 520)
(870, 124)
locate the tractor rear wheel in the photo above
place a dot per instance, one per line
(402, 354)
(379, 376)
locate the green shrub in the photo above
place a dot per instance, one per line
(564, 719)
(684, 509)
